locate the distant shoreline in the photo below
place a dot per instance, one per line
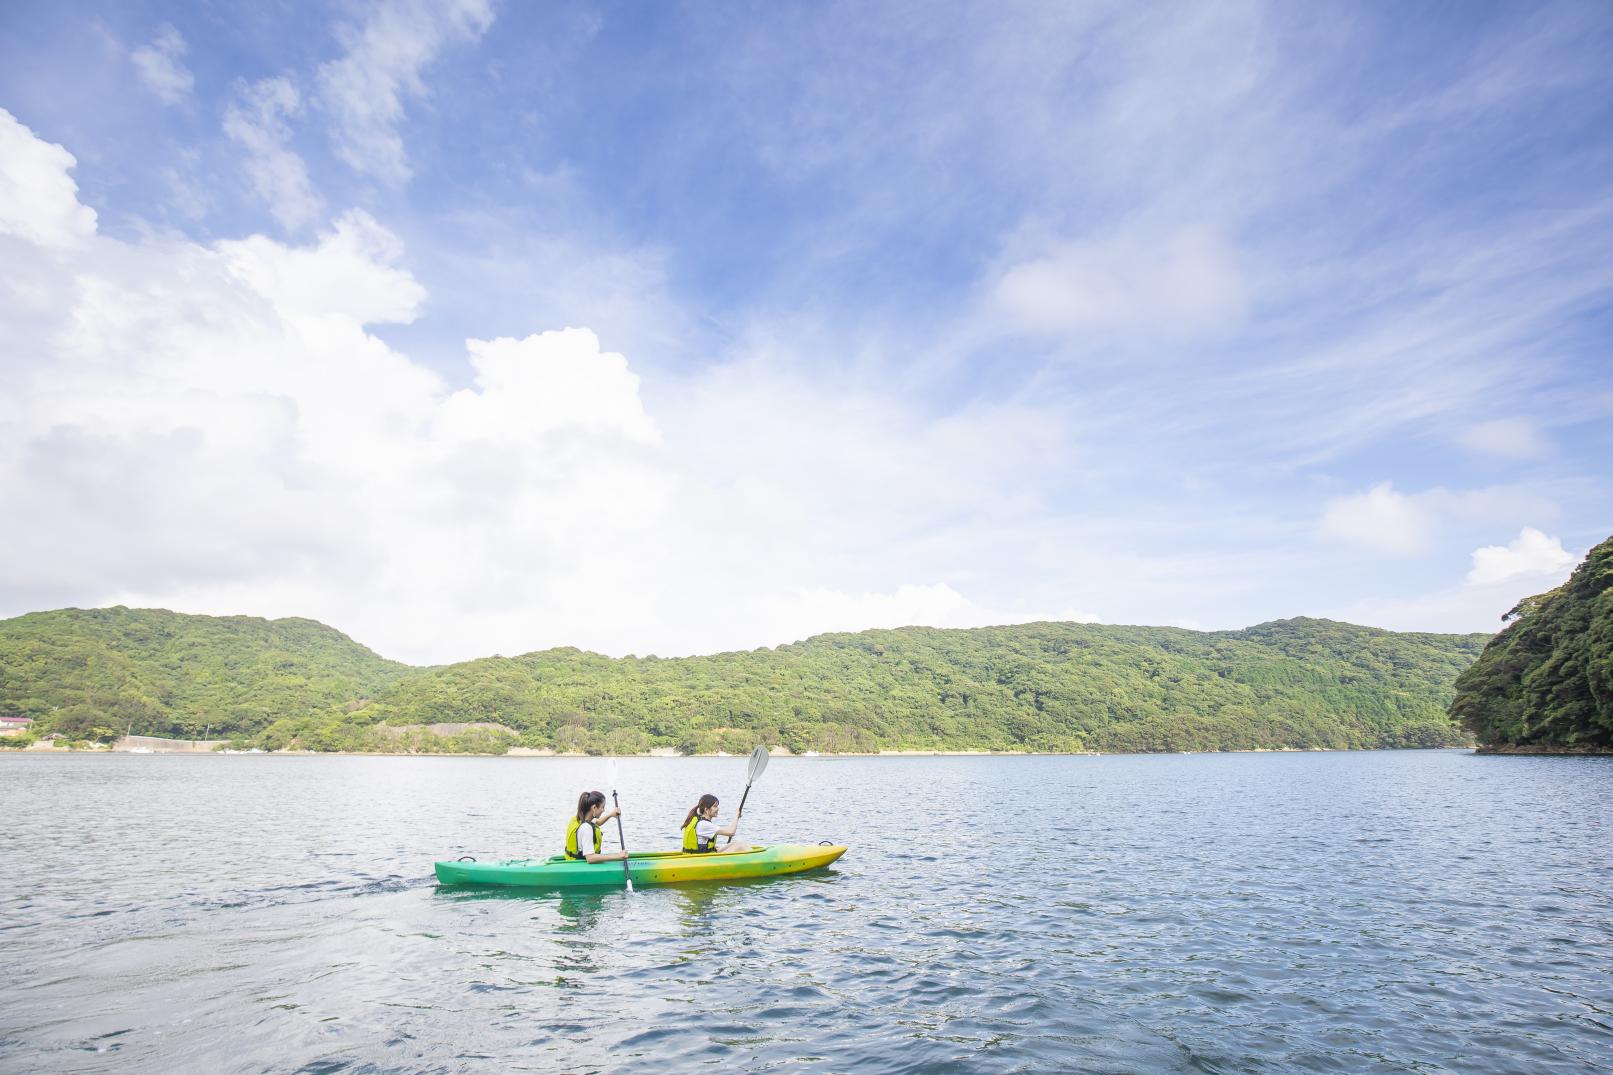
(1545, 751)
(525, 752)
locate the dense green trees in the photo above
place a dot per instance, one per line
(1546, 682)
(163, 673)
(1045, 687)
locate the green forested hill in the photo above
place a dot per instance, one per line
(1045, 686)
(87, 672)
(1546, 682)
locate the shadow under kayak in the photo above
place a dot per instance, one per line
(647, 868)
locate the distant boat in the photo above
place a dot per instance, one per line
(141, 750)
(810, 754)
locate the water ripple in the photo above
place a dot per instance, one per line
(1417, 911)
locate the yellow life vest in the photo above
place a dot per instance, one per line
(571, 839)
(691, 841)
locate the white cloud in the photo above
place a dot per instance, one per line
(38, 199)
(257, 122)
(215, 429)
(161, 65)
(527, 389)
(365, 89)
(1501, 576)
(1178, 286)
(1509, 438)
(1388, 521)
(1380, 519)
(1530, 553)
(351, 274)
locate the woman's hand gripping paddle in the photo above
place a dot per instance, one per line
(627, 874)
(758, 762)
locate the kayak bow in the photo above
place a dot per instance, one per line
(644, 867)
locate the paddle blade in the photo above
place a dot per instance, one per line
(610, 774)
(758, 762)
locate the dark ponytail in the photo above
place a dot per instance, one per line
(705, 801)
(587, 801)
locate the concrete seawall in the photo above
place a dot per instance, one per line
(144, 743)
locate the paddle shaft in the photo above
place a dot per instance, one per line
(742, 799)
(627, 874)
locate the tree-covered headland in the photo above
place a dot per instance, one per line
(1545, 683)
(93, 674)
(1302, 683)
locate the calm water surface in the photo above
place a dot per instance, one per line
(1403, 911)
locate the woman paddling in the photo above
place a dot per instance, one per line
(583, 829)
(700, 829)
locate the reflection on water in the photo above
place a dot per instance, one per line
(1277, 912)
(579, 911)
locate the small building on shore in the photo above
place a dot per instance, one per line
(15, 725)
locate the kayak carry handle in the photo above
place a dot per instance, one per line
(826, 843)
(466, 858)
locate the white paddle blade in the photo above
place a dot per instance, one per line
(758, 762)
(610, 774)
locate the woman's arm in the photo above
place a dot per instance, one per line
(613, 856)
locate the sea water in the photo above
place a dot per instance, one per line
(1392, 911)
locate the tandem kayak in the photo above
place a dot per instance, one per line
(647, 868)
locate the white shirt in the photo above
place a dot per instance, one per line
(705, 833)
(585, 838)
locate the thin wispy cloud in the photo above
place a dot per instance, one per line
(161, 64)
(1515, 438)
(258, 120)
(382, 68)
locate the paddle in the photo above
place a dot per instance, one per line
(758, 762)
(620, 838)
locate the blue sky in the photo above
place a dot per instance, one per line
(880, 314)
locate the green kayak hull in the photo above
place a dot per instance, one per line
(647, 868)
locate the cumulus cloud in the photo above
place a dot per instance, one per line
(1380, 519)
(217, 428)
(161, 65)
(257, 121)
(1530, 553)
(366, 88)
(548, 382)
(351, 273)
(38, 199)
